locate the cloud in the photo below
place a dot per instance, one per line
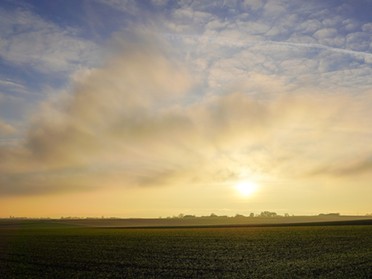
(358, 41)
(159, 2)
(6, 129)
(211, 99)
(361, 167)
(12, 86)
(131, 123)
(29, 40)
(112, 110)
(253, 5)
(126, 6)
(273, 9)
(318, 51)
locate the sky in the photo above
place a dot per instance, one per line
(154, 108)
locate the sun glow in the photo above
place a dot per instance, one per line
(246, 188)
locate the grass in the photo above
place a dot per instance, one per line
(55, 251)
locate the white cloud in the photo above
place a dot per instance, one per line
(296, 47)
(13, 86)
(130, 123)
(358, 41)
(127, 6)
(333, 21)
(273, 9)
(302, 39)
(367, 28)
(350, 25)
(253, 5)
(28, 40)
(309, 26)
(249, 93)
(6, 129)
(159, 2)
(326, 33)
(253, 27)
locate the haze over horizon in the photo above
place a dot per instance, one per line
(153, 108)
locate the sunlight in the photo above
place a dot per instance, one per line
(246, 188)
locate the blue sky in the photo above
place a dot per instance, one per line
(276, 91)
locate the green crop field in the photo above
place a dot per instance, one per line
(37, 250)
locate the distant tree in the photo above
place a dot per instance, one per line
(239, 216)
(268, 214)
(189, 216)
(213, 215)
(251, 215)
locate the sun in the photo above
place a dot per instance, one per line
(246, 188)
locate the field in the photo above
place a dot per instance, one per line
(47, 250)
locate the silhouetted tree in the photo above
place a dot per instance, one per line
(268, 214)
(239, 216)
